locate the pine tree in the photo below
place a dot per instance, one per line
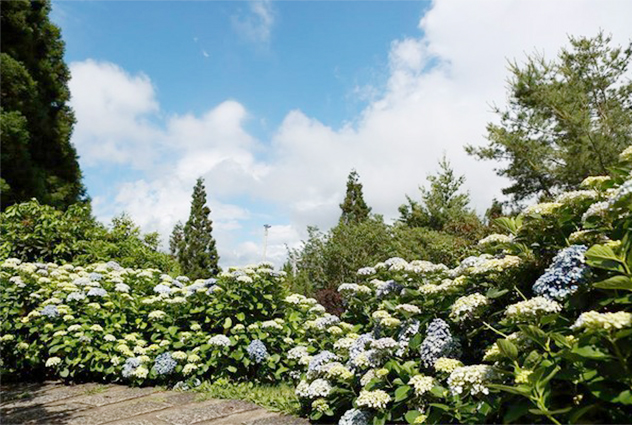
(198, 255)
(176, 239)
(38, 160)
(354, 209)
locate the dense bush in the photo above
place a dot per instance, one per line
(536, 329)
(34, 232)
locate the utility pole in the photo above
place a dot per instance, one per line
(265, 240)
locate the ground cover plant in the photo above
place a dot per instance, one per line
(537, 328)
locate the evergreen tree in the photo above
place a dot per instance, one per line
(441, 204)
(198, 256)
(176, 239)
(566, 119)
(38, 160)
(354, 209)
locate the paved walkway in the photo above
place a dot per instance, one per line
(93, 404)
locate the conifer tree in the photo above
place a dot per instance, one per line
(354, 209)
(176, 239)
(38, 160)
(198, 255)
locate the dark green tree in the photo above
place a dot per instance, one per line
(566, 119)
(442, 205)
(198, 255)
(38, 160)
(354, 209)
(176, 240)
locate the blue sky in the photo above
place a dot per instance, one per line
(273, 103)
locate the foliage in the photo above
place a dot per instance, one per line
(38, 159)
(34, 232)
(194, 244)
(443, 206)
(567, 119)
(277, 398)
(354, 209)
(536, 329)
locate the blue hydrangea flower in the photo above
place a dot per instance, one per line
(210, 282)
(319, 360)
(360, 345)
(257, 351)
(97, 292)
(50, 311)
(130, 366)
(408, 331)
(96, 276)
(113, 265)
(564, 275)
(162, 289)
(355, 417)
(164, 364)
(389, 287)
(439, 342)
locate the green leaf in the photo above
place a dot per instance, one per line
(603, 257)
(508, 389)
(232, 369)
(615, 282)
(589, 352)
(496, 293)
(401, 393)
(64, 373)
(228, 323)
(516, 411)
(507, 348)
(411, 415)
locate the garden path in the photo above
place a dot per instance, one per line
(94, 404)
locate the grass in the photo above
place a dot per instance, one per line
(276, 398)
(96, 390)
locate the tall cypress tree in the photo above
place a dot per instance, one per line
(38, 160)
(198, 255)
(354, 209)
(176, 240)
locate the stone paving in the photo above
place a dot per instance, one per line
(93, 404)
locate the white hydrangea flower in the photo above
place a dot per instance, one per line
(408, 309)
(219, 341)
(577, 196)
(598, 209)
(468, 307)
(384, 344)
(446, 365)
(53, 361)
(377, 399)
(494, 239)
(526, 311)
(319, 388)
(297, 352)
(421, 383)
(472, 379)
(593, 321)
(545, 208)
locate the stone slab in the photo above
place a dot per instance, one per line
(119, 411)
(115, 394)
(38, 414)
(206, 412)
(49, 395)
(278, 420)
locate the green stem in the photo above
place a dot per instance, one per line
(494, 329)
(617, 351)
(521, 294)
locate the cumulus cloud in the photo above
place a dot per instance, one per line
(435, 100)
(256, 24)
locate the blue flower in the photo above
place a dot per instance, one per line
(564, 275)
(257, 351)
(439, 342)
(50, 311)
(403, 338)
(388, 287)
(319, 360)
(164, 364)
(355, 417)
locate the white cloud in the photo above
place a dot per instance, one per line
(256, 24)
(435, 100)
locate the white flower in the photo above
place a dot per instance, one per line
(446, 365)
(271, 324)
(471, 378)
(545, 208)
(219, 341)
(377, 399)
(319, 388)
(408, 309)
(141, 372)
(594, 181)
(96, 328)
(121, 287)
(156, 314)
(532, 309)
(598, 209)
(594, 321)
(179, 355)
(495, 239)
(53, 361)
(467, 307)
(189, 368)
(577, 196)
(384, 344)
(422, 384)
(109, 337)
(297, 352)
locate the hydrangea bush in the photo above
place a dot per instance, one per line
(537, 328)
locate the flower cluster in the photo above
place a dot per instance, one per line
(564, 276)
(421, 383)
(468, 307)
(438, 343)
(377, 399)
(164, 364)
(472, 379)
(531, 310)
(257, 351)
(593, 321)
